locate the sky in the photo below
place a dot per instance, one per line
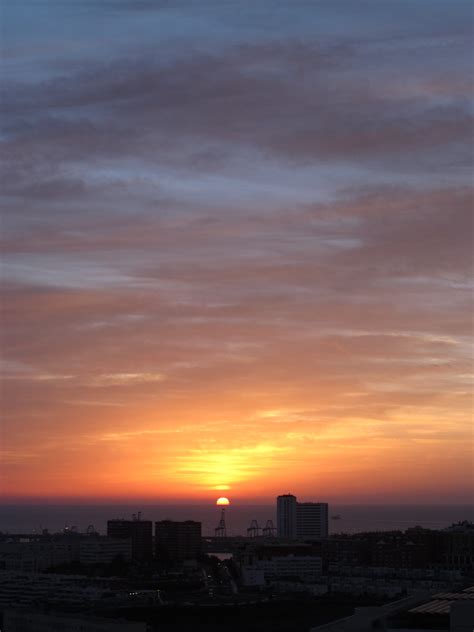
(237, 250)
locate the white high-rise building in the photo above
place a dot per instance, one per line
(311, 521)
(286, 516)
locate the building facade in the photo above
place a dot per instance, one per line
(311, 521)
(286, 516)
(301, 521)
(177, 541)
(140, 533)
(100, 549)
(37, 555)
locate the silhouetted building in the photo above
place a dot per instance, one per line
(311, 521)
(399, 554)
(346, 551)
(249, 553)
(139, 531)
(458, 547)
(72, 593)
(100, 549)
(265, 563)
(119, 528)
(295, 567)
(286, 516)
(434, 542)
(36, 554)
(177, 541)
(302, 521)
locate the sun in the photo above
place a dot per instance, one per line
(223, 501)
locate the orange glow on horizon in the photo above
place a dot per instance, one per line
(319, 438)
(257, 460)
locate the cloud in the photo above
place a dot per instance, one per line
(126, 379)
(263, 232)
(293, 100)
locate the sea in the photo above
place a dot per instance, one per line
(33, 518)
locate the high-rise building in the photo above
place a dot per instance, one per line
(311, 521)
(139, 531)
(286, 516)
(302, 521)
(177, 541)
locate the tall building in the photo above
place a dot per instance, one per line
(286, 516)
(311, 521)
(302, 521)
(177, 541)
(139, 531)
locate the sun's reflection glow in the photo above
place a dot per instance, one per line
(221, 469)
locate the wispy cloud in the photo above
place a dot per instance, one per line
(126, 379)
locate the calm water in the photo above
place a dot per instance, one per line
(27, 518)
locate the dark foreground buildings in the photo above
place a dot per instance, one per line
(140, 532)
(177, 541)
(415, 580)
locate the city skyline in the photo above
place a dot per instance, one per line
(237, 251)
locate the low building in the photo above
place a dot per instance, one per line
(95, 549)
(71, 591)
(459, 547)
(38, 554)
(302, 568)
(346, 551)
